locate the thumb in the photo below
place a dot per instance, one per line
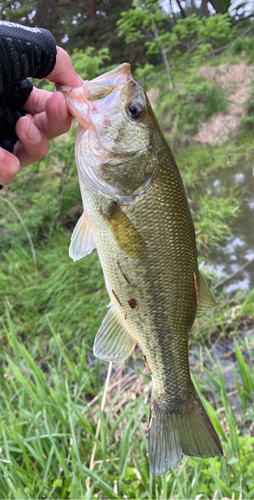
(64, 72)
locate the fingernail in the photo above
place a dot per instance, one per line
(63, 111)
(32, 132)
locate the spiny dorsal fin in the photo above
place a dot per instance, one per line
(206, 300)
(113, 342)
(125, 234)
(82, 241)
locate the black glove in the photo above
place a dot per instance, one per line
(24, 52)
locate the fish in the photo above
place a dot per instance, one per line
(136, 215)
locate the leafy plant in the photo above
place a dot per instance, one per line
(244, 44)
(247, 122)
(193, 101)
(189, 40)
(90, 63)
(213, 225)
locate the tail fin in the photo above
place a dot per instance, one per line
(186, 430)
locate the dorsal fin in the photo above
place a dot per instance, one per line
(206, 300)
(82, 241)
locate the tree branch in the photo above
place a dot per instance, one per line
(173, 14)
(181, 9)
(233, 274)
(70, 4)
(88, 6)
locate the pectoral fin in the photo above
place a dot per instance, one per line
(82, 241)
(113, 342)
(206, 300)
(125, 234)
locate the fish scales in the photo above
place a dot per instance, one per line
(152, 322)
(136, 214)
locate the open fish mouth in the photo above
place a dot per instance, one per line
(80, 99)
(101, 86)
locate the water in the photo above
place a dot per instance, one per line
(224, 354)
(239, 246)
(237, 249)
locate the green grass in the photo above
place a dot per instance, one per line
(244, 45)
(49, 418)
(73, 296)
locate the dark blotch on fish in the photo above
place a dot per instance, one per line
(132, 303)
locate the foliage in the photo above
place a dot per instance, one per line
(212, 225)
(72, 296)
(244, 44)
(194, 100)
(187, 41)
(76, 25)
(196, 162)
(43, 207)
(247, 122)
(138, 22)
(191, 38)
(89, 63)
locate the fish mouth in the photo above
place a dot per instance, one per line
(118, 76)
(100, 86)
(78, 98)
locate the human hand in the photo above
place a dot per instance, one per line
(48, 118)
(48, 115)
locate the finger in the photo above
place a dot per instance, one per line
(36, 101)
(32, 144)
(56, 119)
(63, 71)
(9, 166)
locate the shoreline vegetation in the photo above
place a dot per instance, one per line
(67, 429)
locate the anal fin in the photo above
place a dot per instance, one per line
(113, 342)
(206, 300)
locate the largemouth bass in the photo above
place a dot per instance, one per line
(136, 214)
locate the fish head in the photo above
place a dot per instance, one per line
(118, 142)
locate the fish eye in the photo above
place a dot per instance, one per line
(135, 110)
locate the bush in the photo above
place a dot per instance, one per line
(244, 44)
(195, 100)
(247, 122)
